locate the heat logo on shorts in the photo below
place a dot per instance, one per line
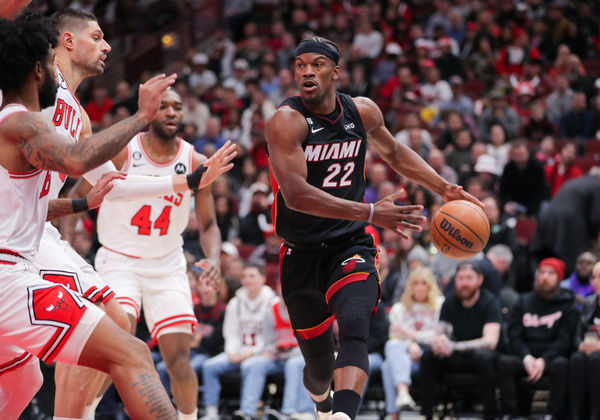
(349, 264)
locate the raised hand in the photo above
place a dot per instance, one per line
(103, 187)
(391, 216)
(456, 192)
(149, 95)
(218, 164)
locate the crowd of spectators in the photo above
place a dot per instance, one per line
(500, 96)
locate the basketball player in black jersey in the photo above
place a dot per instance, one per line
(317, 145)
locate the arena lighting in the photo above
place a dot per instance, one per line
(168, 40)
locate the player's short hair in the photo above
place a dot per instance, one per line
(24, 42)
(70, 19)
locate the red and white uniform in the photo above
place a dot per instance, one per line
(142, 251)
(56, 261)
(42, 318)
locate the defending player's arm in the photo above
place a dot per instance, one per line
(210, 235)
(402, 158)
(285, 132)
(66, 206)
(36, 137)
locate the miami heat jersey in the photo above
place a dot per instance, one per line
(334, 150)
(148, 228)
(23, 205)
(67, 118)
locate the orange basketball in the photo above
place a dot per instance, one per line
(460, 229)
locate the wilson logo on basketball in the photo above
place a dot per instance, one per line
(454, 233)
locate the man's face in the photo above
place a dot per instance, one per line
(547, 281)
(169, 116)
(315, 75)
(584, 264)
(47, 91)
(90, 49)
(467, 282)
(252, 279)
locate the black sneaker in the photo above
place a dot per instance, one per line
(272, 414)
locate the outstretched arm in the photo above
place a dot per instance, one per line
(40, 144)
(285, 132)
(402, 158)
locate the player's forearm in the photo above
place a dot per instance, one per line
(100, 147)
(409, 164)
(210, 241)
(311, 200)
(61, 207)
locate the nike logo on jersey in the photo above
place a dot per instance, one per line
(313, 130)
(135, 165)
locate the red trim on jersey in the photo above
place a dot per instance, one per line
(24, 109)
(7, 262)
(350, 278)
(161, 164)
(123, 300)
(107, 294)
(171, 321)
(191, 167)
(9, 252)
(121, 253)
(127, 163)
(24, 175)
(92, 294)
(67, 85)
(15, 363)
(275, 189)
(308, 333)
(338, 117)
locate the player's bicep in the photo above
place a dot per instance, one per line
(377, 133)
(286, 157)
(40, 144)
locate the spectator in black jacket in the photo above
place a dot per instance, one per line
(540, 332)
(471, 317)
(523, 183)
(584, 386)
(578, 123)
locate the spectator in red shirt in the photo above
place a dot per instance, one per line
(563, 168)
(100, 104)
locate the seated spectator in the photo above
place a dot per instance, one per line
(100, 105)
(417, 144)
(579, 282)
(560, 101)
(437, 160)
(249, 333)
(498, 112)
(523, 183)
(212, 139)
(563, 168)
(578, 123)
(584, 371)
(498, 148)
(487, 171)
(460, 158)
(459, 102)
(207, 340)
(538, 126)
(465, 342)
(546, 152)
(412, 326)
(540, 334)
(257, 220)
(412, 120)
(502, 231)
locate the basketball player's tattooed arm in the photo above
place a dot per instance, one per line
(402, 158)
(43, 148)
(285, 132)
(65, 206)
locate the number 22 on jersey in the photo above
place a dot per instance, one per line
(142, 220)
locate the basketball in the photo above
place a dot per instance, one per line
(460, 229)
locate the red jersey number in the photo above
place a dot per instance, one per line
(142, 220)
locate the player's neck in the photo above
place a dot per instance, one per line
(159, 149)
(28, 97)
(72, 74)
(326, 107)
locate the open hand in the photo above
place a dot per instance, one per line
(149, 95)
(103, 187)
(218, 164)
(211, 274)
(388, 215)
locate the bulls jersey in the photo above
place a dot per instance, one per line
(148, 228)
(334, 150)
(67, 118)
(23, 205)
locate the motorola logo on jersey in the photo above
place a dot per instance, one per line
(180, 168)
(61, 81)
(332, 151)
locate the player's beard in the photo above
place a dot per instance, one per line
(161, 134)
(317, 99)
(47, 93)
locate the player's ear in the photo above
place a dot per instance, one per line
(38, 70)
(67, 40)
(336, 72)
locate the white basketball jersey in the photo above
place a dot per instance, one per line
(66, 115)
(148, 228)
(23, 205)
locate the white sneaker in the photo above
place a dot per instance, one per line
(404, 401)
(321, 415)
(339, 416)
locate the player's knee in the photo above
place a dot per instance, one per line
(178, 365)
(353, 320)
(318, 373)
(353, 352)
(132, 353)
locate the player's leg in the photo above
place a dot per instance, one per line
(353, 306)
(20, 380)
(175, 351)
